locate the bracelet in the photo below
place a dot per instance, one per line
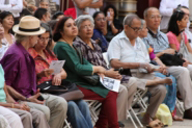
(12, 105)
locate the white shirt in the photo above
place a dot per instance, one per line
(166, 9)
(15, 10)
(121, 48)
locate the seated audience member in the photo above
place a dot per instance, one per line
(78, 111)
(114, 26)
(92, 52)
(87, 6)
(57, 15)
(3, 121)
(176, 33)
(159, 42)
(19, 69)
(7, 21)
(43, 15)
(100, 30)
(170, 99)
(166, 10)
(127, 50)
(13, 6)
(64, 33)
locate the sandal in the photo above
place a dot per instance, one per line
(156, 124)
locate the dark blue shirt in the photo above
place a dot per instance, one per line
(98, 35)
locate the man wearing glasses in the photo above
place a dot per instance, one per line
(159, 42)
(127, 50)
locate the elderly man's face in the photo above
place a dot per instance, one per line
(153, 19)
(86, 29)
(132, 31)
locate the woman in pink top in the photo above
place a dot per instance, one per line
(176, 34)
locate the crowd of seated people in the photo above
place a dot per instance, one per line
(33, 35)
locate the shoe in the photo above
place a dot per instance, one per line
(188, 114)
(121, 125)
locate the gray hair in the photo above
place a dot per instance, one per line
(21, 38)
(129, 19)
(83, 18)
(142, 22)
(145, 13)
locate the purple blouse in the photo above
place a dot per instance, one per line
(19, 68)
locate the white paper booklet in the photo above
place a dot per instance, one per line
(57, 65)
(110, 83)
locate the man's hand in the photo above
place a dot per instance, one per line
(185, 64)
(147, 66)
(56, 80)
(34, 98)
(162, 69)
(22, 106)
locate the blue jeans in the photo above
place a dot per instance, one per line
(79, 115)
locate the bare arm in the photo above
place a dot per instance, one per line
(189, 47)
(83, 3)
(115, 63)
(96, 4)
(173, 46)
(15, 94)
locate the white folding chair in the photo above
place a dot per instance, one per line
(94, 107)
(105, 56)
(67, 124)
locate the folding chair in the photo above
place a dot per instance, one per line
(67, 124)
(138, 98)
(94, 107)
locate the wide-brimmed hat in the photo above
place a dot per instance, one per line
(28, 26)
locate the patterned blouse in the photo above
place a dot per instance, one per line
(94, 56)
(41, 63)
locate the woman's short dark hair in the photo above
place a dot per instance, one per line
(3, 15)
(56, 14)
(97, 13)
(59, 28)
(40, 12)
(177, 16)
(114, 9)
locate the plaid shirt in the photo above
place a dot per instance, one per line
(94, 56)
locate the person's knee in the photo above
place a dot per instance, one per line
(123, 90)
(47, 112)
(73, 109)
(162, 90)
(184, 70)
(26, 117)
(61, 104)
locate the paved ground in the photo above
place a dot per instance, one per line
(184, 124)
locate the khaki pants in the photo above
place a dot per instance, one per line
(55, 110)
(158, 92)
(183, 76)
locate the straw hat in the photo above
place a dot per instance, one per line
(28, 26)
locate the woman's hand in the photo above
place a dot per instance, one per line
(56, 80)
(98, 69)
(45, 73)
(113, 74)
(185, 64)
(22, 106)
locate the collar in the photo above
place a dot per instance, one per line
(80, 40)
(35, 54)
(22, 49)
(153, 34)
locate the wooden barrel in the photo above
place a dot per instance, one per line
(127, 6)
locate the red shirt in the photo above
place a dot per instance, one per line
(41, 63)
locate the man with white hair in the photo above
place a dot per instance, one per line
(19, 68)
(159, 42)
(126, 50)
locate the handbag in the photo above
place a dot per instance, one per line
(183, 50)
(172, 60)
(94, 79)
(67, 90)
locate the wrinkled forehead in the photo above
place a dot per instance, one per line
(153, 11)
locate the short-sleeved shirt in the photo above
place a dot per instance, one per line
(2, 81)
(19, 68)
(173, 39)
(158, 42)
(98, 35)
(41, 63)
(121, 48)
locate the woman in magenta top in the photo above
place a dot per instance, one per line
(176, 34)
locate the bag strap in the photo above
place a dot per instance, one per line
(79, 54)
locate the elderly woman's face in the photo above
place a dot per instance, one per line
(43, 40)
(100, 21)
(86, 29)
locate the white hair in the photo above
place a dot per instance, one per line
(129, 19)
(83, 18)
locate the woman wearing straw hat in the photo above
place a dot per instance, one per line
(19, 69)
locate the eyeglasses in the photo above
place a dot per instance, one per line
(136, 29)
(155, 17)
(87, 27)
(44, 39)
(100, 19)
